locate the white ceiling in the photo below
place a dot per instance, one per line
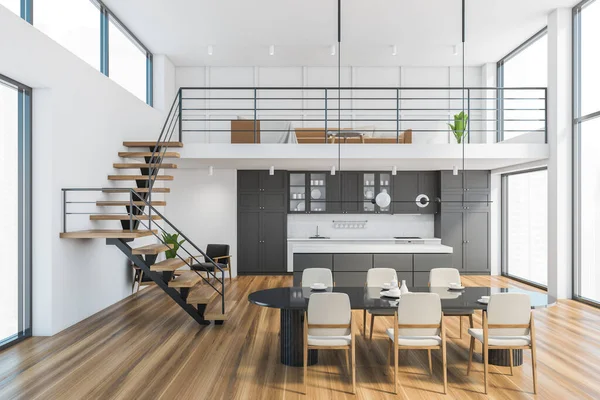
(241, 31)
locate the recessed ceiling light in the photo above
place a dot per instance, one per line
(394, 170)
(210, 50)
(272, 170)
(272, 50)
(394, 50)
(333, 170)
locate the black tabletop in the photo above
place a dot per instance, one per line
(362, 298)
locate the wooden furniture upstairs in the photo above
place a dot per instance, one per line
(242, 131)
(317, 135)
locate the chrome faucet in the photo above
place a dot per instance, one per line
(317, 235)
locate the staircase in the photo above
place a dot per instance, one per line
(195, 291)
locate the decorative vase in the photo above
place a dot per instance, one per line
(403, 288)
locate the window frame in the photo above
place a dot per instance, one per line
(504, 228)
(578, 119)
(25, 212)
(500, 83)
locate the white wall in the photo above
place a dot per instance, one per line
(204, 207)
(310, 76)
(378, 226)
(80, 118)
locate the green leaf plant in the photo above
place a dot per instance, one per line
(459, 128)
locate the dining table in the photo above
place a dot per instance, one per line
(293, 303)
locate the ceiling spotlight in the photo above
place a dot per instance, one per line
(211, 170)
(332, 50)
(455, 170)
(333, 170)
(210, 50)
(394, 170)
(455, 50)
(394, 50)
(272, 170)
(272, 50)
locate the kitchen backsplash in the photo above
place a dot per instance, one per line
(378, 225)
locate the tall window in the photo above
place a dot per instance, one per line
(15, 202)
(522, 112)
(525, 226)
(75, 24)
(586, 129)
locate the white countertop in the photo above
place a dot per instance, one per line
(334, 239)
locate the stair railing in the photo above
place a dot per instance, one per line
(190, 259)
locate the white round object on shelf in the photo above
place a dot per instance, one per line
(301, 206)
(422, 200)
(369, 194)
(383, 200)
(315, 194)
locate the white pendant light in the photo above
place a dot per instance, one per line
(394, 170)
(210, 170)
(383, 200)
(272, 50)
(332, 50)
(333, 170)
(455, 170)
(272, 170)
(394, 50)
(210, 50)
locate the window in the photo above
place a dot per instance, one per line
(586, 130)
(127, 60)
(15, 202)
(525, 226)
(522, 112)
(75, 24)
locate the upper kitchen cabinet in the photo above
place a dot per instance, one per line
(344, 193)
(473, 180)
(375, 183)
(415, 192)
(308, 192)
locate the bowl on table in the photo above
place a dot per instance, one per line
(318, 286)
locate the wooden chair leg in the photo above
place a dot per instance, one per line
(511, 361)
(533, 355)
(430, 366)
(353, 366)
(471, 348)
(372, 323)
(461, 326)
(364, 323)
(305, 358)
(485, 368)
(445, 366)
(471, 325)
(389, 356)
(347, 361)
(395, 368)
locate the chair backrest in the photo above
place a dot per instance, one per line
(379, 276)
(216, 250)
(329, 309)
(443, 276)
(419, 309)
(317, 275)
(509, 308)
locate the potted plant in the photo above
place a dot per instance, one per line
(173, 240)
(459, 129)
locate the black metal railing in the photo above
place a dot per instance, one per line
(495, 114)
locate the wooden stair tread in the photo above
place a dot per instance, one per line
(170, 264)
(139, 177)
(203, 294)
(138, 190)
(151, 144)
(186, 280)
(106, 234)
(143, 165)
(112, 203)
(213, 312)
(122, 217)
(152, 249)
(141, 154)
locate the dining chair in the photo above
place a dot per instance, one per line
(376, 277)
(507, 325)
(418, 325)
(317, 275)
(442, 277)
(219, 253)
(328, 324)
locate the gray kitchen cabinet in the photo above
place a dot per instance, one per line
(334, 193)
(473, 180)
(297, 278)
(452, 233)
(426, 262)
(405, 276)
(429, 184)
(352, 262)
(262, 222)
(349, 279)
(305, 260)
(477, 246)
(351, 190)
(399, 262)
(405, 191)
(374, 183)
(421, 279)
(479, 200)
(309, 192)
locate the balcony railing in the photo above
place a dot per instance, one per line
(360, 114)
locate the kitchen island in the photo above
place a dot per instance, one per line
(350, 259)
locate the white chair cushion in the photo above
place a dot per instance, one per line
(383, 312)
(415, 341)
(329, 340)
(500, 340)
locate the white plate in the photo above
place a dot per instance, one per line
(483, 301)
(386, 293)
(369, 194)
(456, 288)
(301, 206)
(315, 194)
(318, 286)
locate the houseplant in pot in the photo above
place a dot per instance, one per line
(459, 128)
(174, 242)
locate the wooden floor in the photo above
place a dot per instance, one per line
(146, 347)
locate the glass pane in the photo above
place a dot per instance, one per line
(369, 192)
(127, 63)
(527, 226)
(384, 187)
(317, 192)
(590, 58)
(524, 109)
(297, 192)
(9, 203)
(590, 212)
(75, 24)
(12, 5)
